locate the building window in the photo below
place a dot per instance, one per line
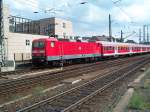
(27, 42)
(50, 27)
(64, 34)
(71, 37)
(64, 25)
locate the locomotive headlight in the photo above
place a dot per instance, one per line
(41, 51)
(34, 51)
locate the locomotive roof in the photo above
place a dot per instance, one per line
(118, 43)
(47, 39)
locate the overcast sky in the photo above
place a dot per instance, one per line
(90, 18)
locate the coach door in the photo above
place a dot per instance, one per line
(116, 50)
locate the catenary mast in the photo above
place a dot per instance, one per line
(2, 39)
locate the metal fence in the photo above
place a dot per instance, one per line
(23, 25)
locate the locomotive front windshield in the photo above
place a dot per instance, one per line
(38, 44)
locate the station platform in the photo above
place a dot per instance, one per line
(18, 76)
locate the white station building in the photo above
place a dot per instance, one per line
(20, 32)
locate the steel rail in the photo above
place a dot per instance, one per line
(9, 87)
(101, 89)
(85, 90)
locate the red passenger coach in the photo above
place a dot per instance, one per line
(51, 49)
(108, 48)
(123, 49)
(136, 48)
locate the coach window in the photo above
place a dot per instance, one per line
(52, 44)
(114, 48)
(109, 47)
(104, 48)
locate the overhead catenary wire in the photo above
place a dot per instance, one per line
(121, 9)
(130, 19)
(33, 5)
(28, 2)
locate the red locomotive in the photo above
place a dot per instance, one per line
(49, 50)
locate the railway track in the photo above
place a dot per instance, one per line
(71, 99)
(13, 86)
(33, 69)
(44, 68)
(39, 69)
(21, 71)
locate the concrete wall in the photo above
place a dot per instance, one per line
(56, 27)
(17, 48)
(15, 43)
(60, 30)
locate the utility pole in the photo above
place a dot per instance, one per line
(110, 30)
(144, 40)
(122, 36)
(2, 39)
(147, 34)
(140, 35)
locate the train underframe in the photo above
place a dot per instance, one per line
(38, 61)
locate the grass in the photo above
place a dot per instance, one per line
(15, 97)
(147, 105)
(147, 84)
(38, 91)
(140, 99)
(137, 101)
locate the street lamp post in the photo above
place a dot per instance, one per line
(38, 22)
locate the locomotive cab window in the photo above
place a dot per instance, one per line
(41, 44)
(52, 44)
(38, 44)
(98, 45)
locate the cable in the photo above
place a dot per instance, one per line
(115, 3)
(131, 22)
(26, 3)
(33, 5)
